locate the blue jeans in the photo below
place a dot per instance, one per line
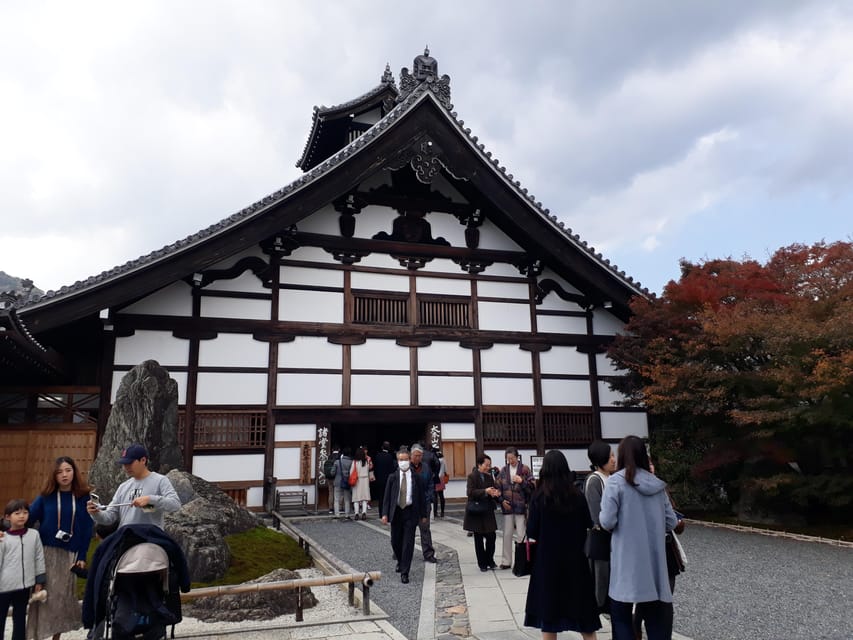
(656, 614)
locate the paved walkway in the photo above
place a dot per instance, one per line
(494, 600)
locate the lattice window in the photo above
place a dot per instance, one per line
(509, 427)
(568, 426)
(227, 429)
(51, 405)
(435, 312)
(380, 309)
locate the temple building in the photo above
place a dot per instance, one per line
(405, 288)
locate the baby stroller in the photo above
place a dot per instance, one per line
(134, 593)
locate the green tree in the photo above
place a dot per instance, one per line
(747, 370)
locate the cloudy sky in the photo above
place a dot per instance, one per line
(655, 130)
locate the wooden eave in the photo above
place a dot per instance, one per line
(386, 144)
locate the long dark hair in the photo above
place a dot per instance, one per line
(360, 455)
(78, 487)
(556, 487)
(630, 456)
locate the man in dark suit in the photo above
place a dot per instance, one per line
(403, 506)
(384, 464)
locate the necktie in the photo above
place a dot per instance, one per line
(401, 501)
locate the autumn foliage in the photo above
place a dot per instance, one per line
(748, 370)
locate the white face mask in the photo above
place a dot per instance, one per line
(404, 465)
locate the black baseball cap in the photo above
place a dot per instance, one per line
(132, 453)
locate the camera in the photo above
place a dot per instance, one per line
(63, 536)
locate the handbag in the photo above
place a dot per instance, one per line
(525, 556)
(676, 562)
(597, 544)
(353, 475)
(479, 507)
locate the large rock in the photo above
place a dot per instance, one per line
(200, 527)
(252, 606)
(145, 411)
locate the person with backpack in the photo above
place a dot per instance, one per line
(329, 473)
(343, 491)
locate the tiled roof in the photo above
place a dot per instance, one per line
(423, 91)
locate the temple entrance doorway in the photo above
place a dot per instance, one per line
(372, 435)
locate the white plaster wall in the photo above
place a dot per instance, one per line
(311, 254)
(504, 316)
(174, 300)
(505, 358)
(311, 277)
(252, 252)
(607, 397)
(323, 221)
(446, 226)
(308, 389)
(287, 462)
(605, 367)
(553, 302)
(143, 345)
(379, 281)
(458, 431)
(516, 290)
(179, 377)
(445, 356)
(380, 354)
(444, 286)
(233, 350)
(548, 274)
(295, 432)
(577, 459)
(310, 306)
(310, 352)
(441, 265)
(493, 238)
(235, 308)
(564, 360)
(566, 392)
(232, 388)
(246, 281)
(605, 323)
(615, 426)
(507, 391)
(229, 468)
(561, 324)
(255, 497)
(502, 269)
(380, 390)
(445, 390)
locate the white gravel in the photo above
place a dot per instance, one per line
(332, 606)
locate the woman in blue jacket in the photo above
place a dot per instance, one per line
(636, 508)
(66, 531)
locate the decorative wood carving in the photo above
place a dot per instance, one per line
(357, 338)
(425, 70)
(348, 207)
(259, 267)
(411, 226)
(472, 265)
(345, 256)
(534, 347)
(413, 341)
(412, 263)
(544, 287)
(282, 244)
(530, 267)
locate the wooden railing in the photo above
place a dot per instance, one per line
(516, 427)
(442, 313)
(568, 427)
(374, 309)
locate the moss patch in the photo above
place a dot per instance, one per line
(257, 552)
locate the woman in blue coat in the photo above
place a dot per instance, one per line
(66, 531)
(561, 593)
(636, 508)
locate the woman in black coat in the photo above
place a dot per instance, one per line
(561, 593)
(482, 490)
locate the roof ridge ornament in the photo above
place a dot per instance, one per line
(387, 76)
(425, 72)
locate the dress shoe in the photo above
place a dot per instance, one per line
(397, 569)
(506, 566)
(404, 578)
(484, 569)
(432, 560)
(492, 565)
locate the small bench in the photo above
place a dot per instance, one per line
(291, 502)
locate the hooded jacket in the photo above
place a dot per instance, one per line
(639, 517)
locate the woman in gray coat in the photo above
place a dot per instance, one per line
(636, 508)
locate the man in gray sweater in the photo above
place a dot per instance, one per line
(144, 498)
